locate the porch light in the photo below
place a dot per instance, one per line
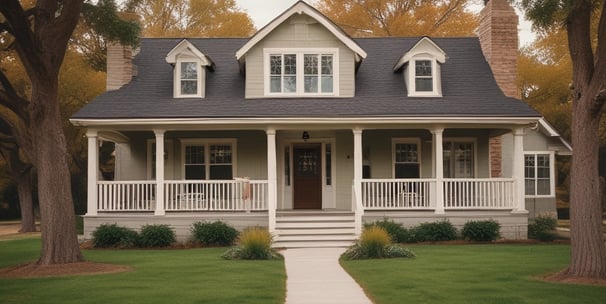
(305, 136)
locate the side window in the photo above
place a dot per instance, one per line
(538, 174)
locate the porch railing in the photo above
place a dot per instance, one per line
(126, 195)
(489, 193)
(396, 193)
(219, 195)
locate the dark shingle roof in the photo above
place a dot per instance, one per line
(468, 87)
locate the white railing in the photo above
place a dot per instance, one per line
(126, 195)
(215, 195)
(396, 193)
(488, 193)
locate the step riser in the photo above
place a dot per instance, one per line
(315, 225)
(341, 244)
(314, 230)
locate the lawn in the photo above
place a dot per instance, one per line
(159, 276)
(472, 274)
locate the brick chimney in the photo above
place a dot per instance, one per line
(119, 65)
(498, 33)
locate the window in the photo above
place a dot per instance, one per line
(406, 159)
(208, 160)
(189, 78)
(539, 174)
(423, 76)
(301, 72)
(458, 157)
(328, 164)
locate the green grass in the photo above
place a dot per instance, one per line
(159, 276)
(472, 274)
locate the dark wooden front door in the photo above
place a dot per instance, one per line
(307, 163)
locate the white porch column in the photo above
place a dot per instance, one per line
(272, 180)
(359, 210)
(93, 172)
(518, 169)
(438, 169)
(159, 172)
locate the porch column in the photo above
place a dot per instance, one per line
(93, 172)
(272, 179)
(159, 172)
(359, 210)
(438, 169)
(518, 170)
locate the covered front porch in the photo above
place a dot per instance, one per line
(248, 174)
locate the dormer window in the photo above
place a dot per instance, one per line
(421, 69)
(190, 66)
(303, 72)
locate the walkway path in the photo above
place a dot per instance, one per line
(315, 276)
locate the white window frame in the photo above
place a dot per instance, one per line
(177, 78)
(412, 76)
(406, 140)
(300, 84)
(551, 173)
(466, 140)
(206, 142)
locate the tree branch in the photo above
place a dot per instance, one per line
(18, 21)
(10, 98)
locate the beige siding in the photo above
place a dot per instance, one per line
(297, 33)
(131, 160)
(345, 168)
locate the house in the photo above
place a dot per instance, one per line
(311, 133)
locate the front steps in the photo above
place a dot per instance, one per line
(314, 229)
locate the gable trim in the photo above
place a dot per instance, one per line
(302, 8)
(436, 53)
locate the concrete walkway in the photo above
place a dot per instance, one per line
(315, 276)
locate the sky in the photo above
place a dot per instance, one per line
(263, 11)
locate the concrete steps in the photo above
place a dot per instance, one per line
(314, 229)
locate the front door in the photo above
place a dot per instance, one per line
(307, 176)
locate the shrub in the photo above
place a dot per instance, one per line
(398, 251)
(375, 243)
(542, 228)
(214, 234)
(397, 233)
(156, 236)
(434, 232)
(255, 244)
(481, 231)
(112, 235)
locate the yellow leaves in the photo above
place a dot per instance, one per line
(401, 17)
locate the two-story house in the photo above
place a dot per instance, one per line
(311, 133)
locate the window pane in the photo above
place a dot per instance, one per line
(327, 84)
(189, 70)
(194, 155)
(529, 184)
(221, 172)
(529, 166)
(543, 187)
(406, 153)
(424, 84)
(328, 164)
(275, 64)
(310, 64)
(407, 170)
(287, 165)
(220, 154)
(311, 84)
(463, 160)
(290, 84)
(290, 64)
(195, 172)
(423, 68)
(189, 87)
(326, 64)
(275, 84)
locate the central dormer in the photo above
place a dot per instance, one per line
(300, 54)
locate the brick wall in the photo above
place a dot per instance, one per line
(119, 65)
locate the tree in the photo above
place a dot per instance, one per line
(440, 18)
(588, 252)
(191, 18)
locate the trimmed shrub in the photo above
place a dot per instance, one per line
(543, 228)
(112, 235)
(397, 233)
(214, 234)
(434, 232)
(375, 243)
(156, 236)
(255, 244)
(481, 231)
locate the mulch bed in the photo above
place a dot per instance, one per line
(33, 270)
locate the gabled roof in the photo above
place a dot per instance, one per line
(547, 129)
(424, 46)
(468, 87)
(185, 48)
(302, 8)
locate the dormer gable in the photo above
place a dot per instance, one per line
(421, 69)
(302, 8)
(189, 72)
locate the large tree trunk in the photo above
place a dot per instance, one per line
(59, 238)
(588, 253)
(26, 203)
